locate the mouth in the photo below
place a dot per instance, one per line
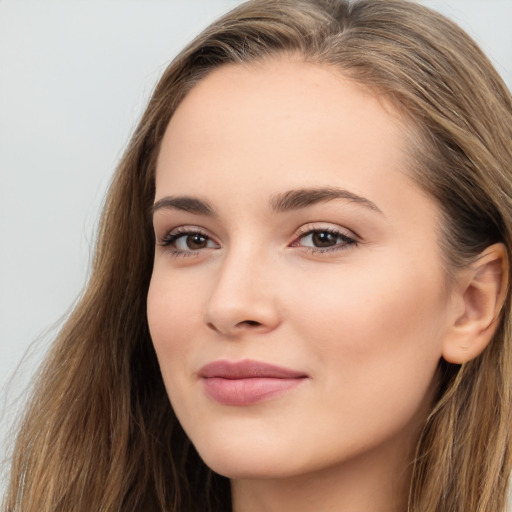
(247, 382)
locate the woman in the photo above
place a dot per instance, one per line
(300, 294)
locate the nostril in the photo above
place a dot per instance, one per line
(249, 322)
(212, 327)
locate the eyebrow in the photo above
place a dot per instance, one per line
(287, 201)
(186, 204)
(302, 198)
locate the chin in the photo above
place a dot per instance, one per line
(248, 459)
(254, 468)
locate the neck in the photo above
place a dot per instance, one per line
(377, 481)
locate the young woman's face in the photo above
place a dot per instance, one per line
(298, 302)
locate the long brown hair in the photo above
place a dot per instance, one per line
(100, 434)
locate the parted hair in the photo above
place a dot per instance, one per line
(99, 433)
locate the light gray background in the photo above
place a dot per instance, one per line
(74, 77)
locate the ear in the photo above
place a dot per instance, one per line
(480, 292)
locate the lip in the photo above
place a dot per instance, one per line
(247, 382)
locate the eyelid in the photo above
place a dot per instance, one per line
(172, 235)
(183, 230)
(349, 237)
(326, 226)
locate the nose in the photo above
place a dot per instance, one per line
(244, 297)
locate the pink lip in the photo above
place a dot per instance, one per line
(247, 382)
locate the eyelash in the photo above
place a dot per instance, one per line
(346, 241)
(174, 235)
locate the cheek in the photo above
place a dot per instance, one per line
(393, 299)
(172, 311)
(376, 329)
(368, 334)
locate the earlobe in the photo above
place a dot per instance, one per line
(482, 290)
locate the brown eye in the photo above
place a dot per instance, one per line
(188, 242)
(324, 239)
(196, 241)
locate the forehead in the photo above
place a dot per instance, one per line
(249, 131)
(283, 98)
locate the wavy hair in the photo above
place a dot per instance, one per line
(100, 434)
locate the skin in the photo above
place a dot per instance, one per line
(366, 321)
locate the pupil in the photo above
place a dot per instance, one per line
(324, 239)
(196, 241)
